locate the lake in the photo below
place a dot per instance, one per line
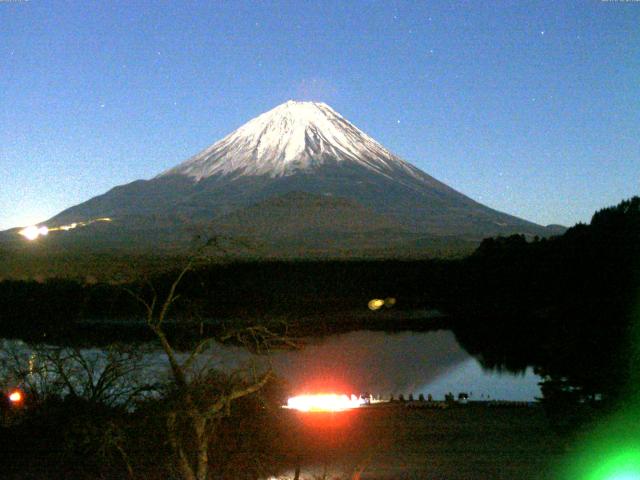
(379, 363)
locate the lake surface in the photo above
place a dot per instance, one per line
(375, 362)
(401, 363)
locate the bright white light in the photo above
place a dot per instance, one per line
(15, 396)
(32, 232)
(328, 402)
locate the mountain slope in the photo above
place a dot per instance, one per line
(300, 147)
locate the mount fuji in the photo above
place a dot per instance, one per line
(299, 179)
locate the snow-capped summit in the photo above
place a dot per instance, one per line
(292, 137)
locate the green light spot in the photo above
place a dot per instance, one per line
(625, 476)
(623, 466)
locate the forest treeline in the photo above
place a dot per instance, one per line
(323, 291)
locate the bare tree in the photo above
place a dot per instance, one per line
(90, 383)
(202, 398)
(113, 377)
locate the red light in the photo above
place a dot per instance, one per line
(15, 396)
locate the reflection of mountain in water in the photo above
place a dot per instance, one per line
(484, 384)
(377, 362)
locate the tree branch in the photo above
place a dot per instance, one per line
(226, 400)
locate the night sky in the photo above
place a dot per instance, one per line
(532, 108)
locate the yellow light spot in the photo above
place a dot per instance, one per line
(376, 304)
(389, 302)
(68, 227)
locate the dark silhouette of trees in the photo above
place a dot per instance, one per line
(565, 305)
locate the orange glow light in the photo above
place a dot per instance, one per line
(15, 396)
(326, 402)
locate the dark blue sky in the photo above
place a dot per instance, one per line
(532, 108)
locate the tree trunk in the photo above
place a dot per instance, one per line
(186, 472)
(200, 427)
